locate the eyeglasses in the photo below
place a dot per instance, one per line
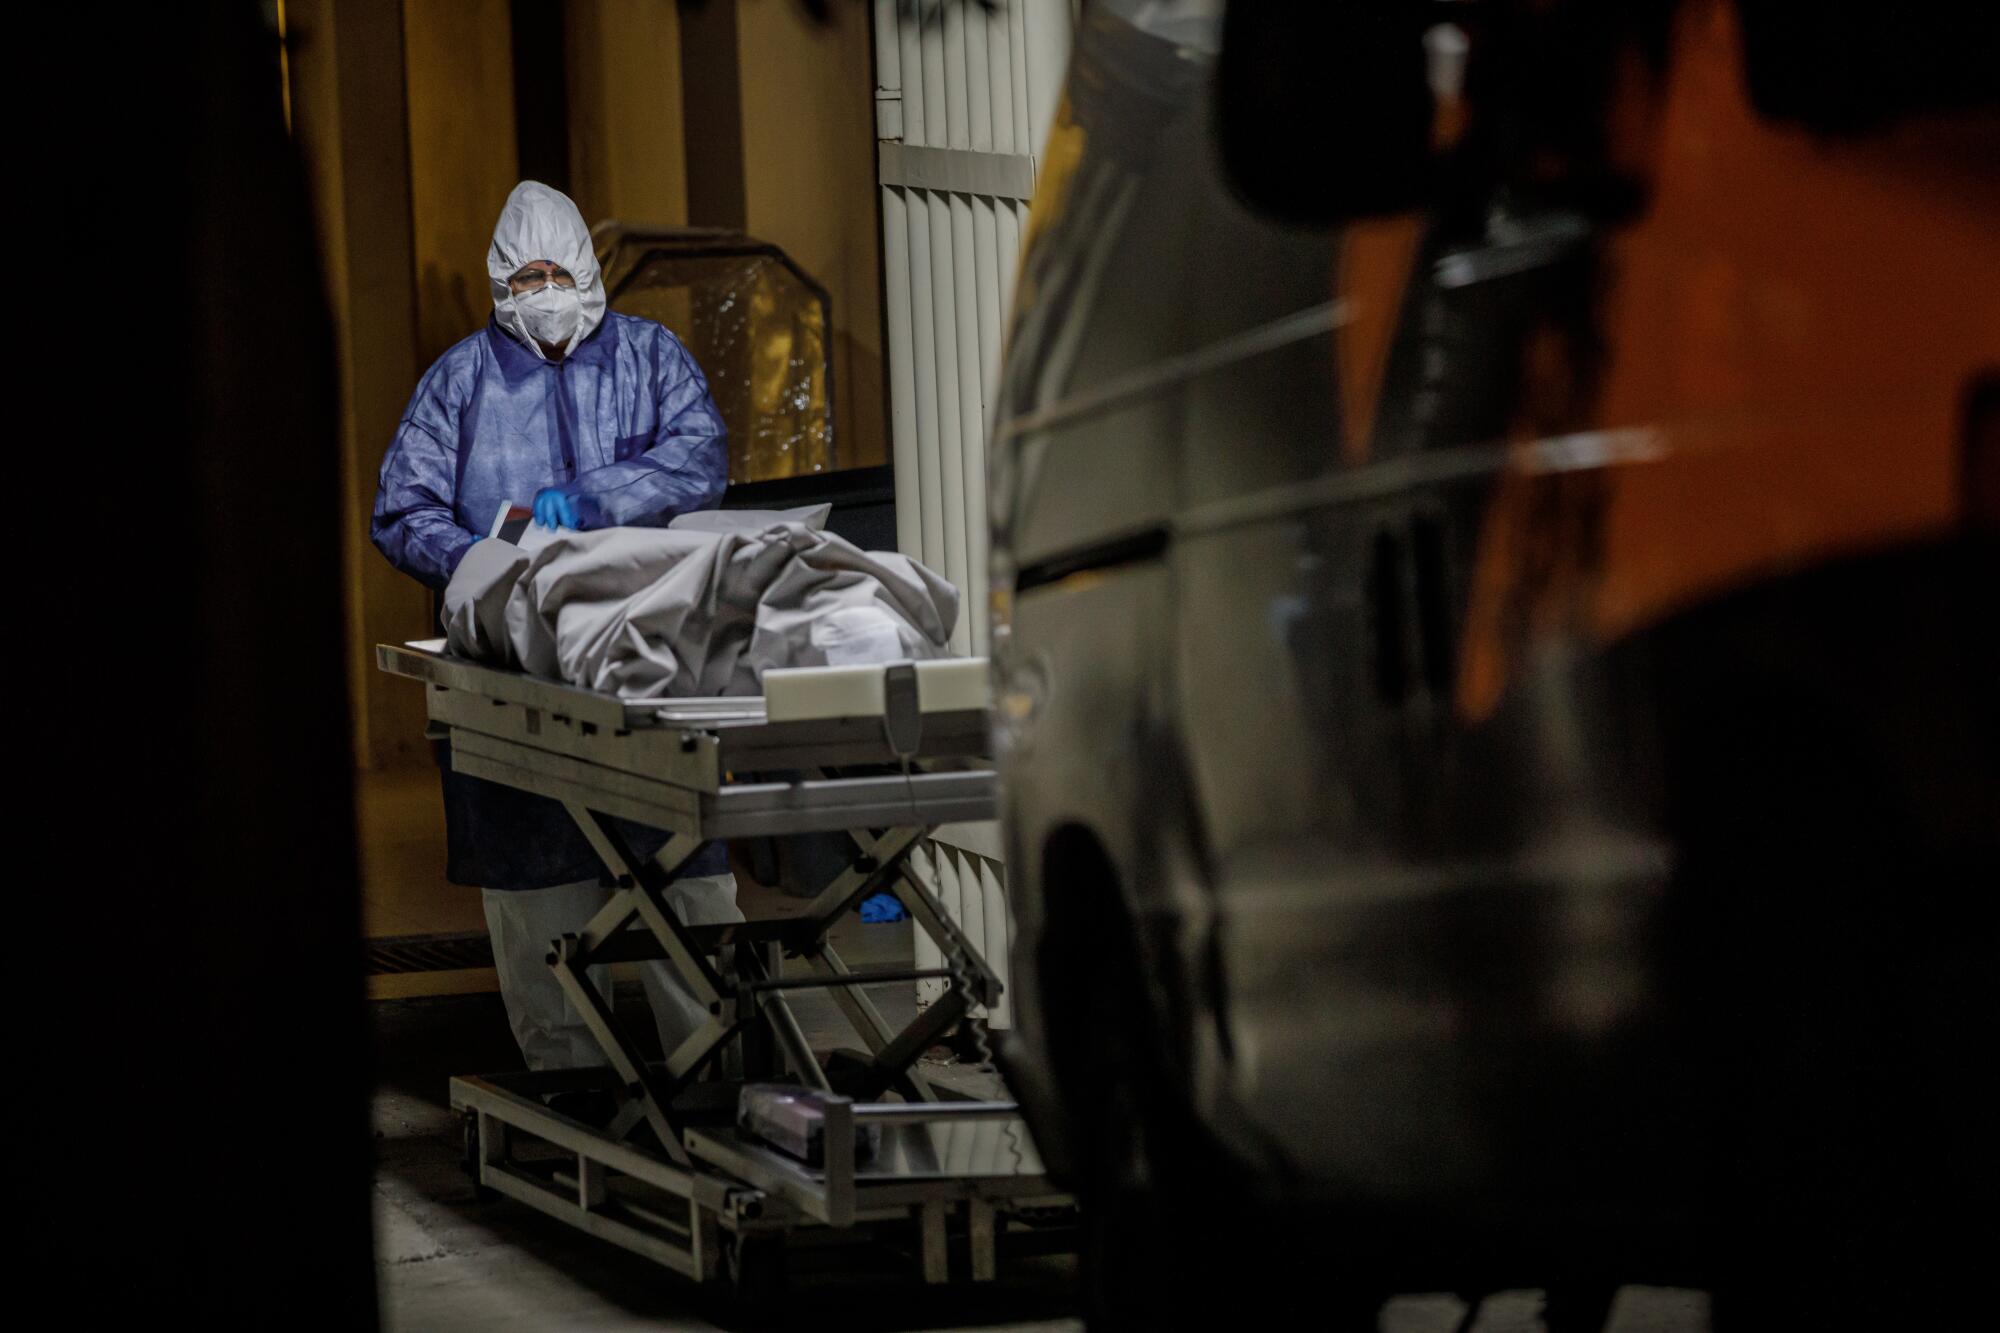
(534, 279)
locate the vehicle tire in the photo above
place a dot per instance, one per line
(468, 1156)
(1166, 1232)
(1173, 1232)
(1124, 1231)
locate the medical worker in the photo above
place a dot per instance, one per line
(597, 420)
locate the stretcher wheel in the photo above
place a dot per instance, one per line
(754, 1268)
(468, 1156)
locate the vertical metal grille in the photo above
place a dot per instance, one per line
(964, 99)
(972, 91)
(971, 890)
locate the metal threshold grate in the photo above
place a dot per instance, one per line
(429, 953)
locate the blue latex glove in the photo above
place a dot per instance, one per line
(882, 907)
(555, 509)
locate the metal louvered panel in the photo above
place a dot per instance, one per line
(964, 99)
(970, 888)
(964, 96)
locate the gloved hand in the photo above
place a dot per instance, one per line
(555, 508)
(882, 907)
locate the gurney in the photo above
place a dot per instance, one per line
(883, 753)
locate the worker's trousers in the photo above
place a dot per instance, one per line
(546, 1023)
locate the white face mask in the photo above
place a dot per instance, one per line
(550, 315)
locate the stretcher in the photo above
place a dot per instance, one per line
(883, 754)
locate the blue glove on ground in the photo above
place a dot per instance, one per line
(555, 508)
(882, 907)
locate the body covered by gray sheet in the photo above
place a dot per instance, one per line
(654, 613)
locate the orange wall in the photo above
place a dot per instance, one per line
(462, 158)
(347, 88)
(1802, 316)
(627, 143)
(809, 185)
(1792, 326)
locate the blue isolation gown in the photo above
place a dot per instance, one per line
(625, 425)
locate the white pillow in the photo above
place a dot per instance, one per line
(750, 520)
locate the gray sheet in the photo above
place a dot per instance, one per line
(654, 613)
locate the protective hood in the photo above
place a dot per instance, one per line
(540, 223)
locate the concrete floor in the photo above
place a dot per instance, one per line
(447, 1259)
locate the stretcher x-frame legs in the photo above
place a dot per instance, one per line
(640, 922)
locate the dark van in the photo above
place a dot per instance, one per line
(1494, 618)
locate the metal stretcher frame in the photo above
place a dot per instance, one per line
(673, 766)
